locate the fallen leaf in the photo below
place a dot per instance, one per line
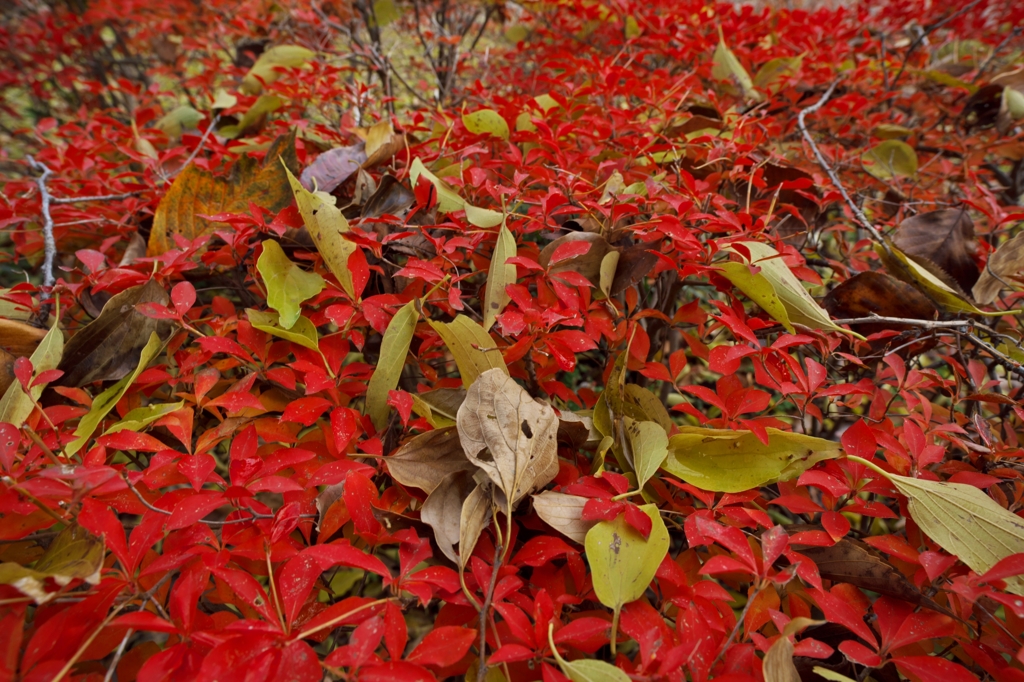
(726, 67)
(486, 122)
(509, 435)
(287, 284)
(390, 198)
(778, 662)
(73, 554)
(382, 143)
(732, 461)
(177, 120)
(473, 518)
(440, 406)
(108, 348)
(945, 293)
(19, 338)
(197, 192)
(326, 227)
(876, 293)
(945, 238)
(1007, 261)
(773, 74)
(393, 349)
(253, 119)
(499, 275)
(15, 405)
(424, 461)
(442, 510)
(890, 159)
(649, 444)
(333, 167)
(472, 347)
(563, 513)
(449, 201)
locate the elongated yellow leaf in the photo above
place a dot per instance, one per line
(962, 520)
(16, 405)
(327, 227)
(141, 417)
(472, 347)
(650, 448)
(393, 349)
(482, 217)
(302, 332)
(105, 402)
(500, 275)
(449, 201)
(733, 461)
(728, 68)
(288, 285)
(265, 68)
(486, 122)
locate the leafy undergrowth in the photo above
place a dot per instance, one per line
(602, 341)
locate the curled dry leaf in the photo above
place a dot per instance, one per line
(73, 554)
(325, 500)
(563, 513)
(108, 348)
(474, 517)
(633, 265)
(426, 460)
(382, 143)
(876, 293)
(16, 405)
(778, 662)
(442, 510)
(1006, 262)
(333, 167)
(509, 435)
(945, 238)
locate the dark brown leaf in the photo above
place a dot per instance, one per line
(391, 198)
(587, 264)
(108, 348)
(424, 461)
(634, 264)
(876, 293)
(945, 238)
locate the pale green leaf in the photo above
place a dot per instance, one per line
(105, 402)
(267, 64)
(265, 104)
(609, 264)
(482, 217)
(16, 406)
(288, 285)
(622, 563)
(73, 554)
(592, 670)
(499, 275)
(327, 227)
(486, 122)
(631, 28)
(472, 347)
(448, 200)
(649, 444)
(177, 120)
(832, 675)
(890, 159)
(773, 75)
(728, 68)
(732, 461)
(385, 12)
(222, 99)
(302, 332)
(393, 349)
(141, 417)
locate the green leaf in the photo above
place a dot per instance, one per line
(890, 159)
(962, 520)
(385, 12)
(327, 227)
(609, 264)
(449, 201)
(772, 75)
(73, 554)
(649, 443)
(585, 670)
(832, 675)
(265, 68)
(393, 349)
(890, 131)
(472, 347)
(288, 285)
(728, 68)
(16, 406)
(486, 122)
(631, 28)
(499, 275)
(483, 217)
(105, 402)
(729, 461)
(777, 290)
(265, 104)
(178, 119)
(141, 417)
(302, 332)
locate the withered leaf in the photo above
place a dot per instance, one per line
(390, 198)
(333, 167)
(1007, 261)
(945, 238)
(634, 264)
(427, 459)
(440, 406)
(325, 500)
(876, 293)
(587, 264)
(108, 348)
(778, 662)
(474, 517)
(509, 435)
(197, 192)
(19, 338)
(563, 513)
(442, 510)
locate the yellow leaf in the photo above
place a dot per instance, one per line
(16, 406)
(288, 285)
(385, 12)
(473, 348)
(198, 192)
(73, 554)
(728, 68)
(253, 117)
(483, 217)
(890, 159)
(486, 122)
(730, 461)
(266, 66)
(449, 201)
(499, 275)
(141, 417)
(327, 227)
(890, 131)
(649, 444)
(105, 402)
(393, 349)
(177, 120)
(772, 75)
(302, 332)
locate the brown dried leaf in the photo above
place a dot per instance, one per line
(18, 338)
(587, 264)
(6, 370)
(634, 264)
(563, 513)
(509, 435)
(382, 143)
(390, 198)
(109, 347)
(474, 517)
(945, 238)
(198, 192)
(778, 662)
(1007, 261)
(333, 167)
(325, 500)
(876, 293)
(427, 459)
(442, 510)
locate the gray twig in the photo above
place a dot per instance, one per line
(49, 243)
(924, 324)
(97, 197)
(195, 152)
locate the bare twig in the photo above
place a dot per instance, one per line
(97, 197)
(1010, 364)
(481, 670)
(925, 33)
(49, 243)
(117, 656)
(995, 50)
(923, 324)
(195, 152)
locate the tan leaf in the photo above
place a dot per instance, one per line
(18, 338)
(473, 518)
(945, 238)
(587, 264)
(778, 662)
(427, 459)
(562, 512)
(440, 406)
(509, 435)
(442, 510)
(1006, 262)
(198, 192)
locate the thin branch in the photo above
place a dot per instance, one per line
(995, 50)
(1008, 363)
(925, 33)
(49, 243)
(923, 324)
(98, 197)
(117, 656)
(481, 670)
(195, 152)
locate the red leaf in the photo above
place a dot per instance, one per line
(836, 524)
(305, 411)
(639, 521)
(396, 671)
(360, 498)
(443, 646)
(858, 653)
(934, 669)
(569, 250)
(511, 653)
(183, 295)
(542, 549)
(859, 440)
(193, 509)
